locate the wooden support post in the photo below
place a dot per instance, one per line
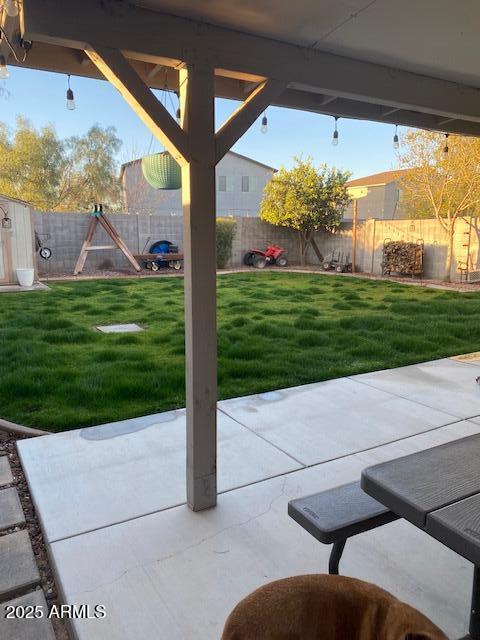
(199, 240)
(354, 235)
(197, 150)
(373, 245)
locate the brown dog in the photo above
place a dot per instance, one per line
(326, 607)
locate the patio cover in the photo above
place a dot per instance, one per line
(385, 61)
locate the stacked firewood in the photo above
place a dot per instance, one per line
(402, 257)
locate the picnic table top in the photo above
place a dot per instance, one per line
(438, 490)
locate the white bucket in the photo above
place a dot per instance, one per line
(25, 277)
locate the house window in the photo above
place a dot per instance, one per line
(245, 183)
(222, 183)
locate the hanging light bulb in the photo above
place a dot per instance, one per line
(395, 138)
(445, 148)
(3, 68)
(264, 127)
(335, 134)
(70, 98)
(11, 8)
(178, 115)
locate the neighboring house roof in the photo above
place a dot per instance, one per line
(378, 179)
(232, 153)
(261, 164)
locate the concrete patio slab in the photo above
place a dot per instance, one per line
(185, 571)
(18, 569)
(11, 512)
(26, 629)
(110, 500)
(319, 422)
(90, 478)
(447, 385)
(5, 471)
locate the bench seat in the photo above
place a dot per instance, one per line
(334, 515)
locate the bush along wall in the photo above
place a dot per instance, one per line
(226, 228)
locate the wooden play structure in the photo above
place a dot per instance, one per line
(99, 217)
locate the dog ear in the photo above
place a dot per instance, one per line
(403, 622)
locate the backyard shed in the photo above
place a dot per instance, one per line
(17, 239)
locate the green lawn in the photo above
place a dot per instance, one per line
(275, 330)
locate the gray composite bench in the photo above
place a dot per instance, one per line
(334, 515)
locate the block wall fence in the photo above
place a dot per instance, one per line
(64, 234)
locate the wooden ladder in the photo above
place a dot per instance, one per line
(99, 217)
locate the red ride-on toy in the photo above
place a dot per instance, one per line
(273, 254)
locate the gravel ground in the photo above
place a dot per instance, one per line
(47, 582)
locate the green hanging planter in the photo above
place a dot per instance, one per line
(161, 171)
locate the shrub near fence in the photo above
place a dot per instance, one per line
(226, 228)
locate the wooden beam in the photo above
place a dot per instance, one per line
(344, 108)
(123, 76)
(246, 114)
(48, 57)
(147, 35)
(199, 222)
(62, 60)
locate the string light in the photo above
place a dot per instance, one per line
(3, 68)
(264, 127)
(395, 138)
(445, 148)
(335, 134)
(70, 97)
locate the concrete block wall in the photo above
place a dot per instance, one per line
(253, 233)
(64, 234)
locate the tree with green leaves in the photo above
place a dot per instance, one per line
(306, 199)
(443, 181)
(59, 175)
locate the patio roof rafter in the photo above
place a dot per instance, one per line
(119, 72)
(158, 38)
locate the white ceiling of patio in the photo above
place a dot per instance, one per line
(438, 38)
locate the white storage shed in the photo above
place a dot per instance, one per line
(17, 239)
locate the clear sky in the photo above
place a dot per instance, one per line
(364, 147)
